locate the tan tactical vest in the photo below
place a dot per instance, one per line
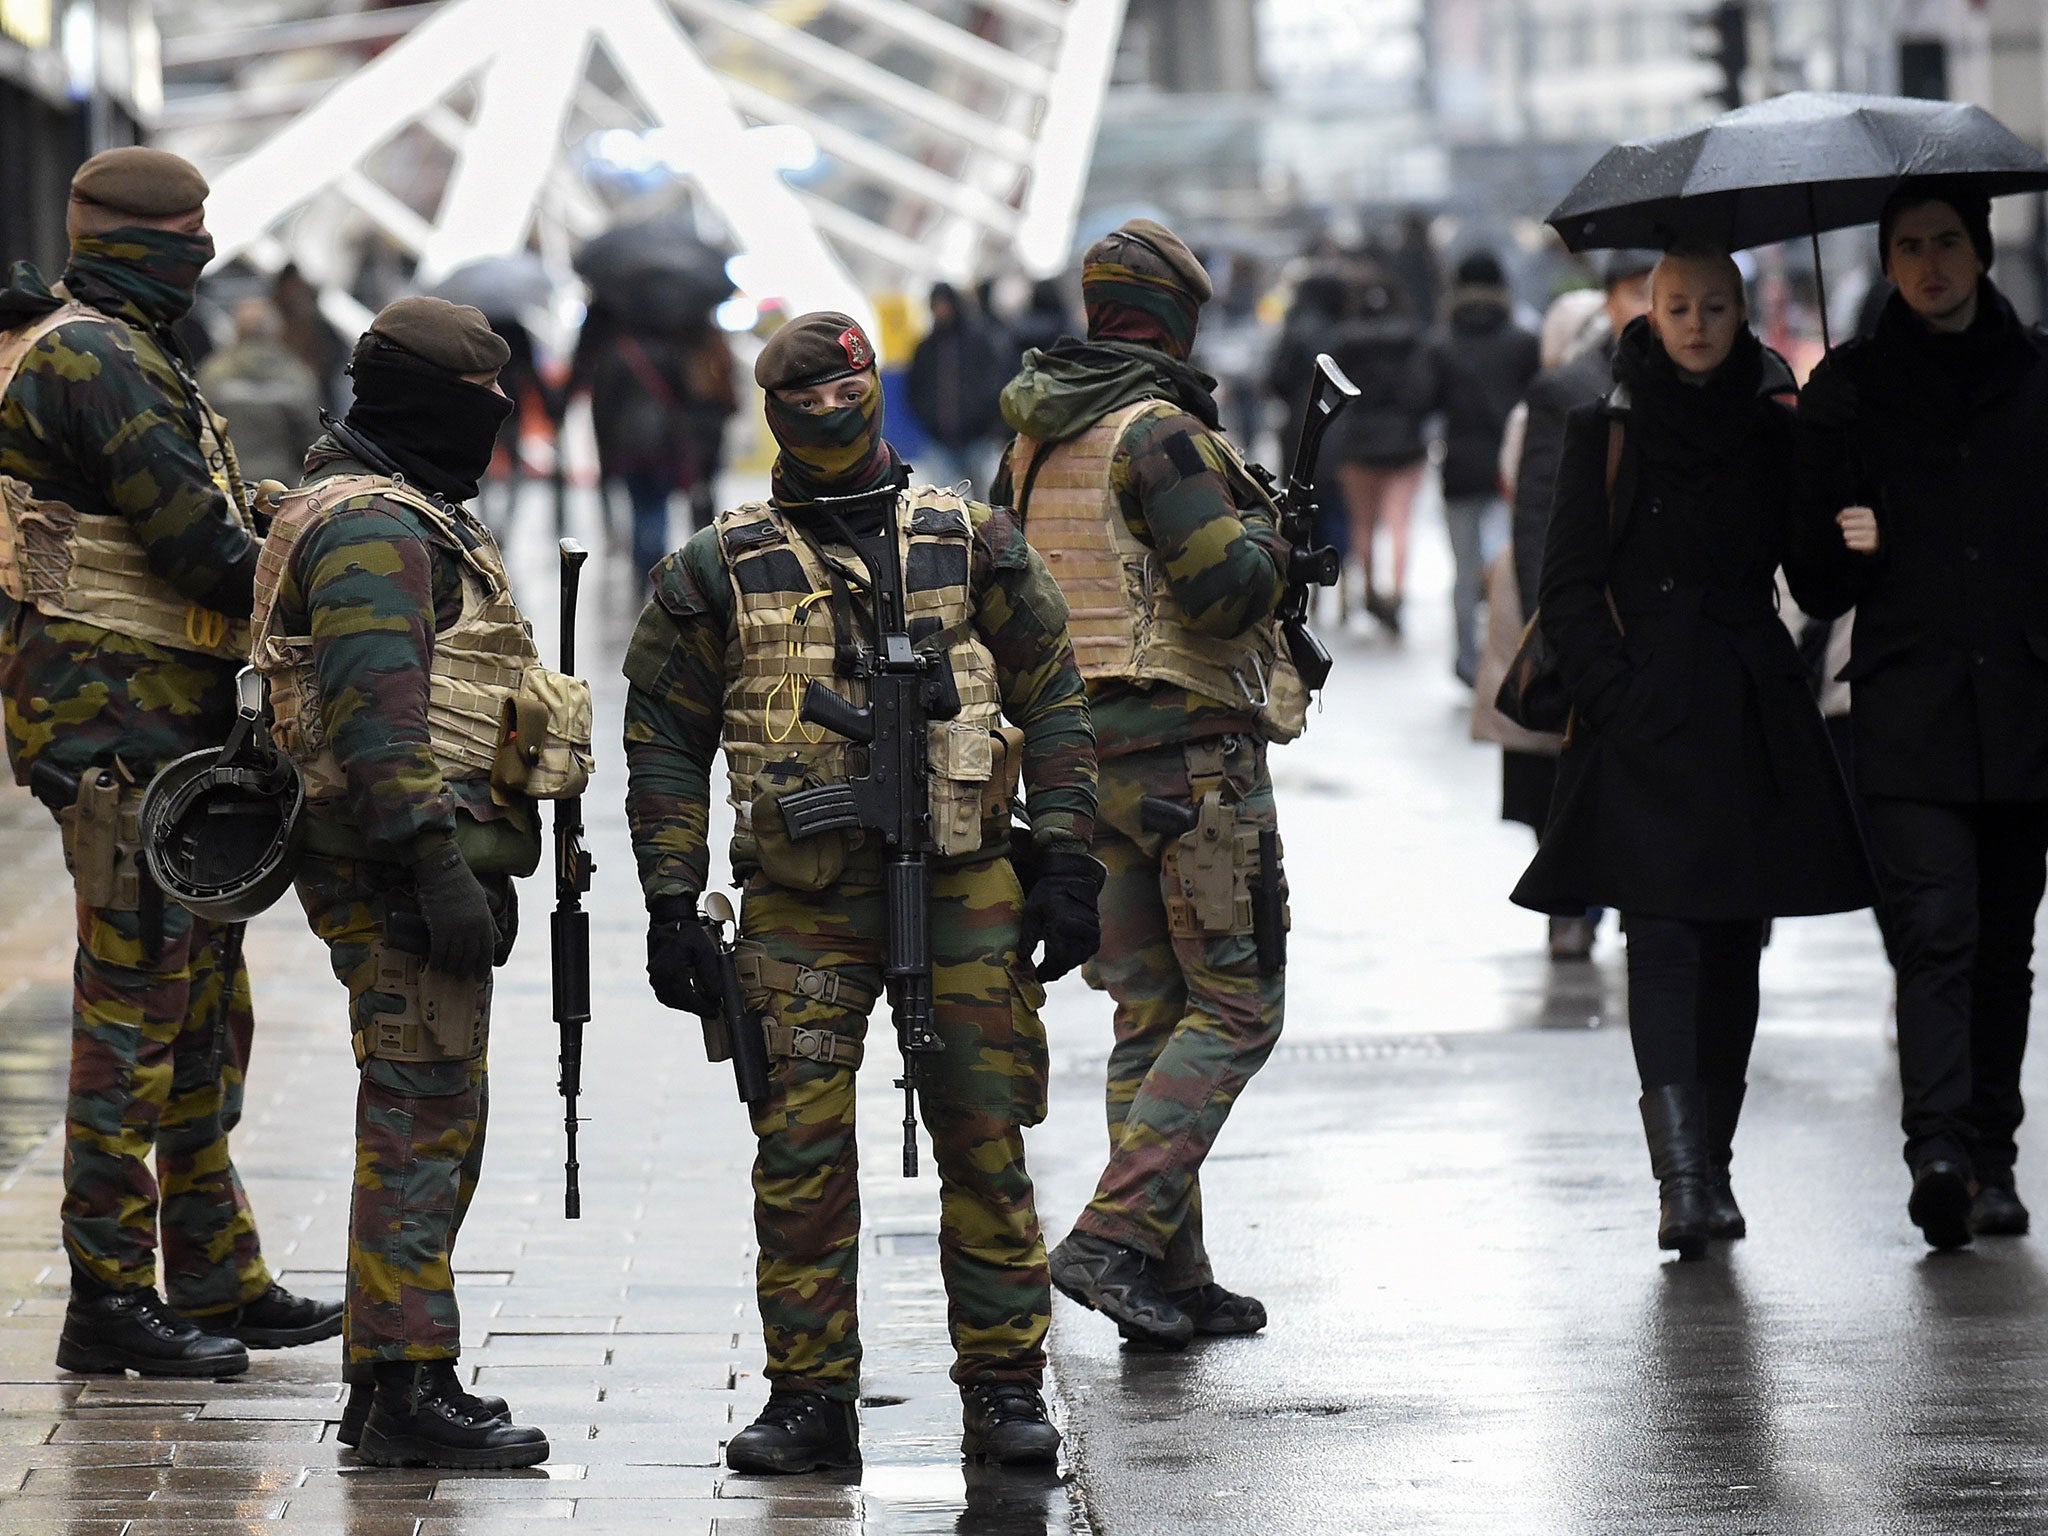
(493, 711)
(1122, 614)
(783, 600)
(91, 566)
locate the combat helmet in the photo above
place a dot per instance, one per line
(221, 827)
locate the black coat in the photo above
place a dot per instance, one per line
(1483, 363)
(1390, 361)
(1697, 781)
(1947, 438)
(1553, 394)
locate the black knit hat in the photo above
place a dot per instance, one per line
(1970, 204)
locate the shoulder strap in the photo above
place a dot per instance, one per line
(16, 345)
(1615, 435)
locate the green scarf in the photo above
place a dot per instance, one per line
(151, 273)
(831, 453)
(1125, 304)
(1065, 389)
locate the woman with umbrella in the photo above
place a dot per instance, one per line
(1926, 445)
(1697, 791)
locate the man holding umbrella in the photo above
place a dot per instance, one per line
(1926, 445)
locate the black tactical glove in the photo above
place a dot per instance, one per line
(461, 933)
(506, 916)
(682, 956)
(1060, 909)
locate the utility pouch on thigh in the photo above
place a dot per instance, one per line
(103, 844)
(1212, 867)
(444, 1017)
(770, 986)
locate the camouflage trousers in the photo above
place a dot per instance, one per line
(977, 1096)
(159, 1045)
(419, 1134)
(1194, 1018)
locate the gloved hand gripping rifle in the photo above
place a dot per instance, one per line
(1309, 565)
(907, 690)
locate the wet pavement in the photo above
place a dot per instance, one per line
(1437, 1186)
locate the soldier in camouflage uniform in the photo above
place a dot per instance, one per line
(126, 542)
(1169, 555)
(742, 617)
(388, 638)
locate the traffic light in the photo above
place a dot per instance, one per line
(1725, 45)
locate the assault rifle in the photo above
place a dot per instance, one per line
(569, 924)
(907, 690)
(1309, 565)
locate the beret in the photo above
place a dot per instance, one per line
(1146, 245)
(150, 183)
(451, 336)
(814, 349)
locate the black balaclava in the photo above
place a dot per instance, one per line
(435, 426)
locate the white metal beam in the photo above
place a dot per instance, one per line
(869, 238)
(955, 45)
(843, 72)
(1066, 136)
(505, 158)
(897, 171)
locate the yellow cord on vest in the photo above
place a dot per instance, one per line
(797, 723)
(205, 628)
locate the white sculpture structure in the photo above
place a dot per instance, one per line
(969, 155)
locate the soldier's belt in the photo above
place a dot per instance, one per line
(760, 974)
(811, 1044)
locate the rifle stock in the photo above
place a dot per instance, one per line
(569, 924)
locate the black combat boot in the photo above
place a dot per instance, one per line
(798, 1431)
(1723, 1103)
(361, 1381)
(1675, 1126)
(275, 1320)
(1215, 1311)
(1114, 1281)
(107, 1332)
(1998, 1211)
(421, 1417)
(1005, 1422)
(1940, 1205)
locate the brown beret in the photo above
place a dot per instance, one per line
(451, 336)
(814, 349)
(1146, 245)
(150, 183)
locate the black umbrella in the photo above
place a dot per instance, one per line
(658, 269)
(1794, 165)
(503, 287)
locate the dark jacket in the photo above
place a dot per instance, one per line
(1697, 781)
(639, 400)
(956, 380)
(1947, 438)
(1389, 359)
(1483, 363)
(1553, 394)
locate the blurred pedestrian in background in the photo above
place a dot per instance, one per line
(1576, 321)
(658, 401)
(1483, 361)
(1043, 320)
(271, 399)
(1377, 446)
(309, 337)
(1528, 779)
(1697, 791)
(957, 376)
(1927, 444)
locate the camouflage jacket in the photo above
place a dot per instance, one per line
(1221, 551)
(676, 668)
(104, 417)
(372, 584)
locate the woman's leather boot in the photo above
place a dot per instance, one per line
(1723, 1103)
(1674, 1122)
